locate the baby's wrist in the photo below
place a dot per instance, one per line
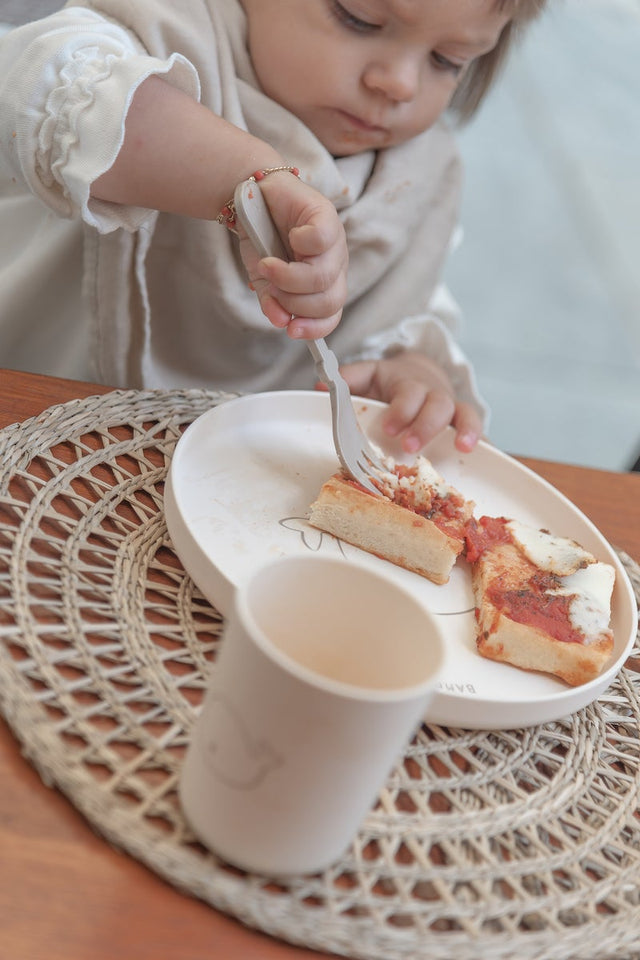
(227, 215)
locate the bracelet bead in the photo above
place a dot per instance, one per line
(227, 215)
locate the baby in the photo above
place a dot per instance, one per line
(124, 130)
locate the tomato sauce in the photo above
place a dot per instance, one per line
(484, 533)
(445, 512)
(535, 608)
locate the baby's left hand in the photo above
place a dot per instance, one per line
(420, 397)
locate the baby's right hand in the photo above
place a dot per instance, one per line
(306, 295)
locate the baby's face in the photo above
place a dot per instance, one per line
(367, 74)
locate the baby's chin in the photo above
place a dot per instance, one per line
(345, 146)
(348, 149)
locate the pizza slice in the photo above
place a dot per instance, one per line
(542, 601)
(418, 523)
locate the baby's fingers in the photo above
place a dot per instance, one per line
(312, 293)
(417, 415)
(318, 275)
(317, 237)
(468, 427)
(309, 328)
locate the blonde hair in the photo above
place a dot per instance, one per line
(475, 84)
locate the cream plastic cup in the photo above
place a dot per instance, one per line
(323, 675)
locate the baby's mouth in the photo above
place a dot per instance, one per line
(361, 124)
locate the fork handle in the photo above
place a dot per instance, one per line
(325, 360)
(256, 220)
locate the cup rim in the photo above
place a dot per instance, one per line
(318, 680)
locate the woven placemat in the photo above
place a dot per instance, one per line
(515, 844)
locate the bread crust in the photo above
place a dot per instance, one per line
(384, 528)
(524, 645)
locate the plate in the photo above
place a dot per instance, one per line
(240, 483)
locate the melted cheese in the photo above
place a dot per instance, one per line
(590, 589)
(556, 555)
(421, 485)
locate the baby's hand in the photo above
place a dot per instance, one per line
(306, 295)
(420, 397)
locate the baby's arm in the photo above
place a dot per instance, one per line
(67, 84)
(179, 157)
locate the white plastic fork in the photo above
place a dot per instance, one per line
(355, 453)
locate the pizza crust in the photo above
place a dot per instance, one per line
(381, 527)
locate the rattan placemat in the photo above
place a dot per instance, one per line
(515, 844)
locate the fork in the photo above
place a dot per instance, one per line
(355, 453)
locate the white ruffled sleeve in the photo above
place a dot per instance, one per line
(66, 85)
(432, 333)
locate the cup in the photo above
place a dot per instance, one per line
(323, 675)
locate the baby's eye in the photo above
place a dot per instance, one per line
(350, 20)
(443, 63)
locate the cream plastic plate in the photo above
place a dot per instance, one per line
(239, 486)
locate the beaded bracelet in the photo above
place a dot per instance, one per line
(227, 215)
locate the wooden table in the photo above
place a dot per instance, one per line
(65, 894)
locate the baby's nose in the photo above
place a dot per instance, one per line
(397, 78)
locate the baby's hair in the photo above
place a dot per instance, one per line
(483, 71)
